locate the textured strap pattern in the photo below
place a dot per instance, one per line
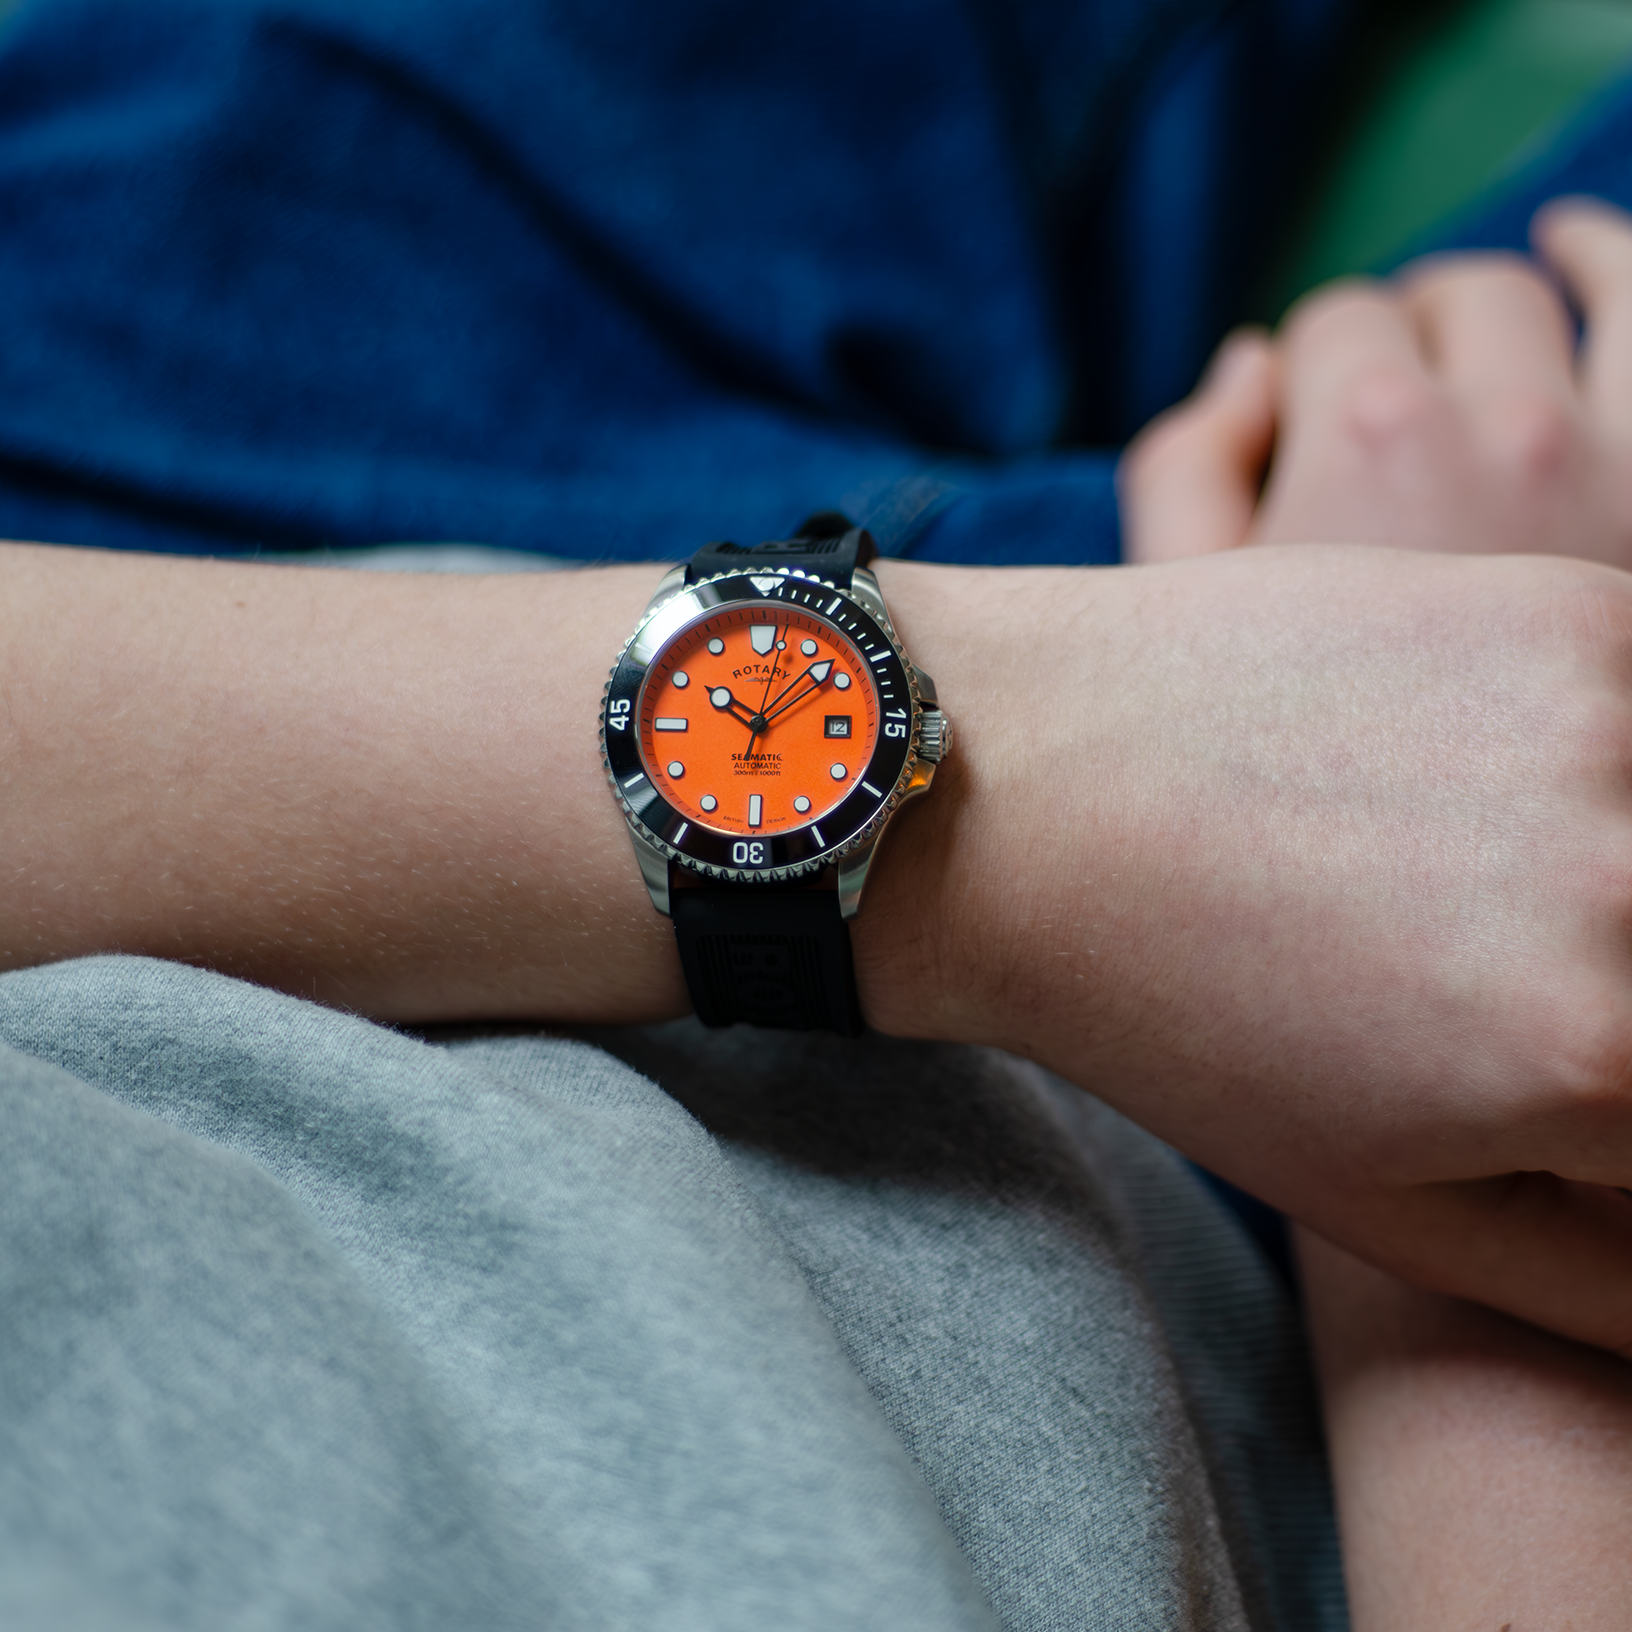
(768, 957)
(827, 543)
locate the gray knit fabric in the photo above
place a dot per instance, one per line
(307, 1323)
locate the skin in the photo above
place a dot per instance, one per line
(1483, 1468)
(1315, 861)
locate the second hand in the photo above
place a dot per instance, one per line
(779, 643)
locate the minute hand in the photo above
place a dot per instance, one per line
(817, 672)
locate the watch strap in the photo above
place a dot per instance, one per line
(767, 957)
(827, 544)
(758, 954)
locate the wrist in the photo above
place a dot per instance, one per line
(962, 935)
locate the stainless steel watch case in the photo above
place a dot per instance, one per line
(901, 768)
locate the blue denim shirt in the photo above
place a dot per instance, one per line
(607, 279)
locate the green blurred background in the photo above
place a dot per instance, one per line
(1439, 97)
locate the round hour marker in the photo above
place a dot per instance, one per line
(682, 679)
(839, 773)
(676, 769)
(801, 804)
(709, 802)
(720, 696)
(716, 646)
(842, 680)
(808, 647)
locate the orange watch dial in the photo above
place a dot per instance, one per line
(758, 719)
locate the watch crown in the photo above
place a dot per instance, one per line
(934, 736)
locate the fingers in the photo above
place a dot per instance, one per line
(1589, 244)
(1499, 339)
(1550, 1251)
(1189, 482)
(1491, 327)
(1349, 345)
(1362, 454)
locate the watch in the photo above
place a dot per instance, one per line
(761, 727)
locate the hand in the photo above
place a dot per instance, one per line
(786, 698)
(721, 698)
(1449, 410)
(1446, 409)
(1188, 484)
(1317, 862)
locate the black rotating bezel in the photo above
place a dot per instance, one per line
(798, 852)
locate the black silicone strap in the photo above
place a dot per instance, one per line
(827, 543)
(768, 957)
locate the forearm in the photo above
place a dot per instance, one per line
(1483, 1468)
(378, 790)
(383, 791)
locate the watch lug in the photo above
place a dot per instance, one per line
(654, 869)
(672, 581)
(864, 586)
(853, 878)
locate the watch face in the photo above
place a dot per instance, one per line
(756, 726)
(757, 720)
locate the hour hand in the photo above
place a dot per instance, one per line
(721, 698)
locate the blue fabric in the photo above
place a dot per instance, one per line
(607, 279)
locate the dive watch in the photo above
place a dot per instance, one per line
(761, 727)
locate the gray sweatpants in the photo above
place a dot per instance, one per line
(309, 1323)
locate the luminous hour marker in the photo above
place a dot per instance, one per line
(842, 680)
(720, 696)
(808, 647)
(755, 805)
(676, 769)
(762, 636)
(681, 679)
(839, 773)
(664, 724)
(716, 646)
(709, 802)
(801, 804)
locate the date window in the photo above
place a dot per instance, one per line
(838, 725)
